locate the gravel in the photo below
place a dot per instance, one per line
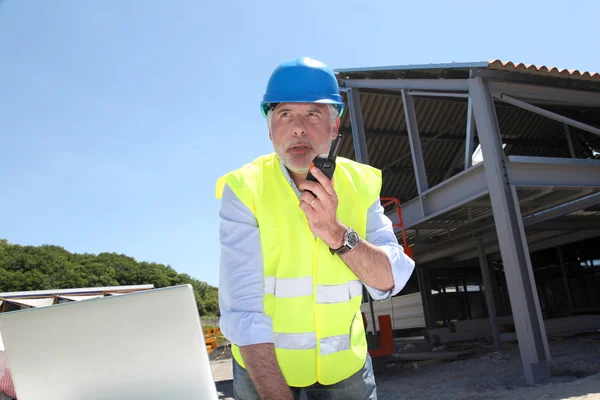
(574, 369)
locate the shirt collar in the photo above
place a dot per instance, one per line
(286, 175)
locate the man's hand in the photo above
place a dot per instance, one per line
(261, 364)
(368, 262)
(320, 208)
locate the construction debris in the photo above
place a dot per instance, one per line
(481, 329)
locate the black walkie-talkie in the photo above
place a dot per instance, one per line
(326, 162)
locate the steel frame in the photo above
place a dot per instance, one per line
(546, 113)
(498, 176)
(533, 343)
(489, 295)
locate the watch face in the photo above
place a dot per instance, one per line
(352, 239)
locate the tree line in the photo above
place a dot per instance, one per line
(47, 267)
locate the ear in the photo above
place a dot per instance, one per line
(336, 128)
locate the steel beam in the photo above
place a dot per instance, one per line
(569, 224)
(548, 114)
(405, 135)
(415, 144)
(417, 84)
(562, 209)
(557, 172)
(358, 126)
(562, 239)
(428, 136)
(539, 94)
(531, 334)
(437, 94)
(458, 190)
(570, 141)
(537, 241)
(489, 295)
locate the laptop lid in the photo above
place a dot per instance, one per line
(144, 345)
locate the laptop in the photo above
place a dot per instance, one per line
(143, 345)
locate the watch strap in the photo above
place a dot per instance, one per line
(346, 247)
(342, 250)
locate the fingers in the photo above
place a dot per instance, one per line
(308, 209)
(314, 188)
(308, 198)
(323, 180)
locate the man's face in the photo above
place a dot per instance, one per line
(300, 131)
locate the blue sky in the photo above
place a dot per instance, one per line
(117, 117)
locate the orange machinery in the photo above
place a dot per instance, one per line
(386, 202)
(386, 345)
(210, 338)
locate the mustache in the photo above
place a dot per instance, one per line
(297, 143)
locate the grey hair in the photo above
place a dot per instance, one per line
(333, 113)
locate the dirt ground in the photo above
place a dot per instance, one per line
(575, 374)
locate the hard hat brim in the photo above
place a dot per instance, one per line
(266, 103)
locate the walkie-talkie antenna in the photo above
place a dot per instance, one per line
(335, 147)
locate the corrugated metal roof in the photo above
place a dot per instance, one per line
(511, 66)
(542, 70)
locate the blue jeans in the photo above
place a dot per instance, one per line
(360, 386)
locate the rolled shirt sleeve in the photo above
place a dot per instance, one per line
(380, 232)
(241, 277)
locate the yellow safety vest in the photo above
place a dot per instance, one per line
(311, 295)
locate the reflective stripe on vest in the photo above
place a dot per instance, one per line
(290, 287)
(307, 341)
(326, 294)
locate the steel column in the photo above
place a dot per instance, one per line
(362, 156)
(470, 143)
(358, 126)
(570, 141)
(531, 333)
(426, 297)
(415, 142)
(489, 295)
(561, 259)
(415, 146)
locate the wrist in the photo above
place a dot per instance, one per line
(337, 236)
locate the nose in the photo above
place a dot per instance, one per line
(299, 128)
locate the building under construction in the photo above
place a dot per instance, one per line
(496, 170)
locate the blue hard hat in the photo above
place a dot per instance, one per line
(303, 80)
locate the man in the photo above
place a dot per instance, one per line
(295, 254)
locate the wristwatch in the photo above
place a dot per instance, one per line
(350, 240)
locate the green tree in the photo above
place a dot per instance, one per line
(52, 267)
